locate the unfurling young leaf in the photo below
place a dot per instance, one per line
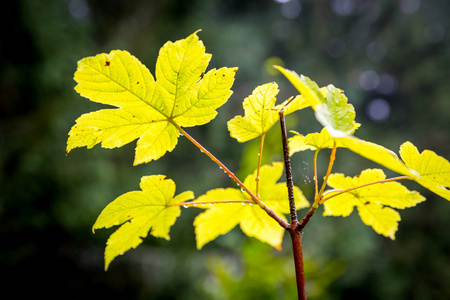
(261, 113)
(139, 212)
(254, 221)
(374, 202)
(148, 110)
(329, 104)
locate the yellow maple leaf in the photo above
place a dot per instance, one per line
(261, 113)
(432, 170)
(375, 202)
(219, 219)
(138, 212)
(148, 110)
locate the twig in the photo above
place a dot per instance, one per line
(256, 199)
(363, 185)
(330, 166)
(261, 146)
(194, 203)
(296, 235)
(287, 164)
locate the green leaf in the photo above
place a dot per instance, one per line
(219, 219)
(308, 88)
(261, 113)
(374, 202)
(138, 212)
(330, 104)
(369, 150)
(148, 110)
(431, 171)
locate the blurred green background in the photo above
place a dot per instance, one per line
(392, 58)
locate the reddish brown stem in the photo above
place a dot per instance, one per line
(288, 170)
(296, 237)
(296, 234)
(306, 218)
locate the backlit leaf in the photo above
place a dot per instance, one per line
(219, 219)
(369, 150)
(261, 113)
(432, 170)
(139, 212)
(330, 106)
(375, 202)
(148, 110)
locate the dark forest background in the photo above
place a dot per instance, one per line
(392, 59)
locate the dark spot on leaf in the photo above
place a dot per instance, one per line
(107, 63)
(368, 202)
(137, 82)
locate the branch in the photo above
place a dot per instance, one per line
(296, 235)
(287, 164)
(255, 199)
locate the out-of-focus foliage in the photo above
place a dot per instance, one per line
(390, 57)
(239, 277)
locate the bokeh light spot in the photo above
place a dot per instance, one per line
(387, 84)
(291, 9)
(270, 62)
(369, 80)
(376, 51)
(343, 7)
(378, 110)
(409, 6)
(79, 9)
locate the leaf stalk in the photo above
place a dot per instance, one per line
(340, 192)
(255, 199)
